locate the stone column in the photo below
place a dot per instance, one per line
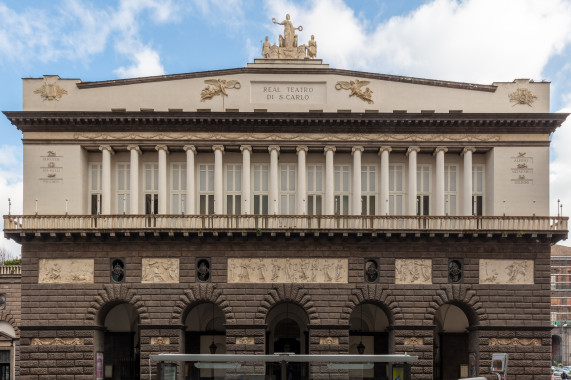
(301, 180)
(246, 155)
(439, 185)
(274, 175)
(384, 199)
(218, 180)
(329, 180)
(356, 199)
(134, 178)
(190, 203)
(411, 204)
(163, 150)
(467, 191)
(106, 151)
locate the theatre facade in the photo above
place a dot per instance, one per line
(284, 207)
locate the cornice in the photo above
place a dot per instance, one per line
(295, 122)
(295, 71)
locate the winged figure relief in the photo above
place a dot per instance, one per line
(355, 86)
(217, 87)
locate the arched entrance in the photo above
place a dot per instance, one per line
(121, 343)
(454, 344)
(7, 351)
(205, 334)
(368, 334)
(287, 332)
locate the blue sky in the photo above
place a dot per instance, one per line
(477, 41)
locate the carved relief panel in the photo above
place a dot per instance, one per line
(413, 271)
(160, 270)
(271, 270)
(506, 272)
(65, 271)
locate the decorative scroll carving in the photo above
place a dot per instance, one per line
(57, 341)
(514, 342)
(506, 272)
(288, 270)
(157, 270)
(415, 271)
(160, 340)
(64, 271)
(329, 340)
(217, 87)
(355, 87)
(245, 340)
(522, 96)
(286, 136)
(413, 341)
(50, 91)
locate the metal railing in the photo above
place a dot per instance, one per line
(30, 223)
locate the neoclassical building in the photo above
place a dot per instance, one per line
(284, 207)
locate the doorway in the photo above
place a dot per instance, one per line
(121, 343)
(452, 343)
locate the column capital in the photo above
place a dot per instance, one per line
(467, 149)
(412, 149)
(357, 148)
(135, 148)
(162, 147)
(385, 149)
(191, 148)
(274, 147)
(218, 147)
(246, 147)
(439, 149)
(300, 148)
(329, 148)
(107, 148)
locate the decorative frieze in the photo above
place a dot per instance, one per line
(65, 271)
(287, 270)
(160, 270)
(514, 342)
(160, 340)
(522, 96)
(329, 340)
(413, 271)
(506, 272)
(57, 341)
(413, 341)
(245, 340)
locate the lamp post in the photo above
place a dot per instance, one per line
(9, 206)
(558, 201)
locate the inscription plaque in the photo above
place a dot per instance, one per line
(288, 92)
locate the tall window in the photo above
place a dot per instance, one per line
(178, 188)
(450, 196)
(341, 187)
(314, 189)
(234, 189)
(396, 192)
(368, 189)
(95, 188)
(123, 188)
(206, 189)
(477, 190)
(423, 190)
(261, 189)
(287, 189)
(151, 188)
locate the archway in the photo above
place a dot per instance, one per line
(205, 334)
(454, 354)
(121, 343)
(287, 332)
(368, 334)
(7, 350)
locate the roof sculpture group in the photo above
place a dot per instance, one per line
(288, 47)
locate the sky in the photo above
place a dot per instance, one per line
(475, 41)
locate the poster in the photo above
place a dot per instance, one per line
(398, 372)
(99, 366)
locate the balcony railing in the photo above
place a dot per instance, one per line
(14, 224)
(7, 270)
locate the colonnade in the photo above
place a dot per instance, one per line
(301, 196)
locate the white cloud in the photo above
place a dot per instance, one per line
(473, 40)
(10, 188)
(147, 63)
